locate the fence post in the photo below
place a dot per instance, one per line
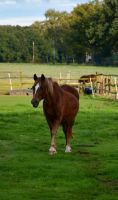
(60, 78)
(109, 85)
(10, 82)
(92, 87)
(116, 88)
(105, 84)
(20, 76)
(68, 77)
(98, 88)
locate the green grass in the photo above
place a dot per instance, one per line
(54, 70)
(22, 71)
(28, 172)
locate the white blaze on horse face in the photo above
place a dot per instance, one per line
(36, 87)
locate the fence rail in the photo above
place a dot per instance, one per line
(18, 83)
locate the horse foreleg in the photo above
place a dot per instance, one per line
(68, 146)
(54, 128)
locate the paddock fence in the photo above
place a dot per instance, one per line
(16, 83)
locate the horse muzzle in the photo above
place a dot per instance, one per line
(35, 103)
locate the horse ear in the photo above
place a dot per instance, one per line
(35, 77)
(42, 77)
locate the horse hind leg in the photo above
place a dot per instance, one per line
(68, 134)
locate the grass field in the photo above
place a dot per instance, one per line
(28, 172)
(54, 70)
(23, 73)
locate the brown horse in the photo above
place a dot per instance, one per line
(86, 78)
(60, 106)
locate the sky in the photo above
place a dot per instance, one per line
(25, 12)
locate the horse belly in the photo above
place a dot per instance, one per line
(70, 110)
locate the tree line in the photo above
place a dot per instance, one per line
(88, 34)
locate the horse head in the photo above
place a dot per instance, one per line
(41, 87)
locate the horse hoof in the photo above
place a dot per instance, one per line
(52, 151)
(68, 149)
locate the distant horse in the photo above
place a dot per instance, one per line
(60, 106)
(86, 78)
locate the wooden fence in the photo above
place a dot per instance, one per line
(10, 81)
(17, 83)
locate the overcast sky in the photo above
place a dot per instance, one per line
(25, 12)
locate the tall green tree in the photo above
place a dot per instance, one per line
(110, 18)
(57, 26)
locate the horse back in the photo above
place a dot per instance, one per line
(71, 89)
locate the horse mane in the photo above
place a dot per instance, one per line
(49, 82)
(53, 84)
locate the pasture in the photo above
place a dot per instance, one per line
(21, 74)
(54, 70)
(28, 172)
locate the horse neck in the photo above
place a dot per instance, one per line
(53, 93)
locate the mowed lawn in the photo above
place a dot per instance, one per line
(28, 172)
